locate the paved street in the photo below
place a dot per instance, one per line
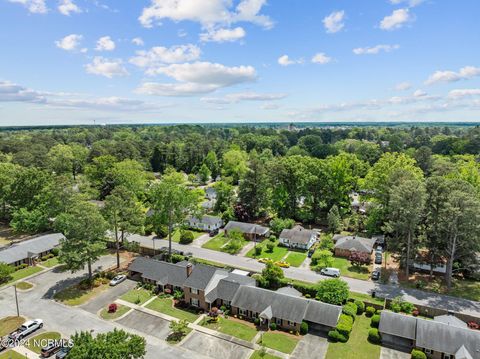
(304, 274)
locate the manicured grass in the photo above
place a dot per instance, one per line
(367, 298)
(24, 285)
(232, 327)
(74, 296)
(216, 242)
(358, 346)
(36, 343)
(49, 263)
(11, 354)
(279, 341)
(277, 254)
(22, 273)
(347, 270)
(121, 310)
(295, 259)
(176, 235)
(256, 355)
(9, 324)
(137, 296)
(165, 306)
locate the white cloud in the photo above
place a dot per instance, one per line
(69, 42)
(396, 20)
(411, 3)
(419, 93)
(270, 106)
(198, 78)
(155, 58)
(403, 86)
(33, 6)
(284, 60)
(111, 103)
(11, 92)
(105, 43)
(461, 93)
(321, 58)
(209, 13)
(223, 35)
(464, 73)
(66, 7)
(106, 67)
(138, 41)
(334, 22)
(375, 49)
(244, 96)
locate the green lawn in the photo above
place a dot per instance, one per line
(347, 270)
(24, 285)
(9, 324)
(137, 296)
(256, 355)
(367, 298)
(295, 259)
(165, 306)
(121, 310)
(218, 242)
(11, 354)
(36, 343)
(231, 327)
(277, 254)
(49, 263)
(22, 273)
(462, 288)
(358, 346)
(74, 296)
(176, 235)
(279, 341)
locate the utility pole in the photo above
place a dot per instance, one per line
(16, 300)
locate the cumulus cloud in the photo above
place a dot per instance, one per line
(209, 13)
(244, 96)
(461, 93)
(106, 67)
(155, 59)
(396, 20)
(464, 73)
(67, 7)
(11, 92)
(403, 86)
(69, 42)
(33, 6)
(375, 49)
(321, 59)
(223, 35)
(105, 43)
(334, 22)
(138, 41)
(284, 60)
(198, 78)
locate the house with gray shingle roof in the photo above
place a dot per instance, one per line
(298, 237)
(345, 245)
(250, 231)
(205, 223)
(30, 250)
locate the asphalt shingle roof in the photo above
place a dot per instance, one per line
(450, 320)
(29, 248)
(200, 277)
(228, 286)
(161, 272)
(397, 324)
(298, 235)
(358, 244)
(209, 220)
(249, 228)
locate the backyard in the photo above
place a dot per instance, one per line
(358, 346)
(282, 342)
(165, 305)
(231, 326)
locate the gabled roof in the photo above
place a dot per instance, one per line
(397, 324)
(355, 243)
(249, 228)
(289, 291)
(463, 353)
(450, 320)
(159, 271)
(200, 277)
(228, 286)
(30, 248)
(323, 313)
(298, 235)
(210, 220)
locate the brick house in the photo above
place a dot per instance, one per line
(250, 231)
(345, 245)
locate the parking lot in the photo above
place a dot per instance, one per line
(215, 348)
(313, 346)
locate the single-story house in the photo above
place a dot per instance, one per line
(422, 262)
(298, 237)
(30, 250)
(445, 337)
(250, 231)
(345, 245)
(205, 223)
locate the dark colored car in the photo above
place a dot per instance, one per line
(50, 349)
(213, 233)
(63, 353)
(378, 259)
(310, 254)
(376, 275)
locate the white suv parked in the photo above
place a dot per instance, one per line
(26, 329)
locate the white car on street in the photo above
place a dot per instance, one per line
(331, 272)
(118, 279)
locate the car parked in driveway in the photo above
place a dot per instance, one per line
(376, 274)
(378, 258)
(118, 279)
(331, 272)
(26, 329)
(50, 349)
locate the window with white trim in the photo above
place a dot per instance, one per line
(279, 321)
(292, 324)
(428, 351)
(193, 290)
(194, 302)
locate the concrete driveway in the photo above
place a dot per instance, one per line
(388, 353)
(108, 296)
(313, 346)
(146, 323)
(215, 348)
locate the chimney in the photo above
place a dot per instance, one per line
(189, 269)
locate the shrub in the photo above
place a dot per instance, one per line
(335, 336)
(258, 250)
(270, 247)
(55, 251)
(186, 237)
(415, 313)
(374, 336)
(333, 291)
(370, 311)
(308, 296)
(161, 231)
(360, 307)
(375, 321)
(256, 321)
(407, 307)
(417, 354)
(350, 309)
(396, 304)
(273, 326)
(177, 258)
(344, 325)
(272, 239)
(303, 328)
(112, 308)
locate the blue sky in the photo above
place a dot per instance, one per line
(163, 61)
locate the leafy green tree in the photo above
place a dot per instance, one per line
(179, 328)
(123, 213)
(204, 173)
(277, 225)
(224, 196)
(84, 229)
(5, 272)
(333, 291)
(171, 202)
(334, 220)
(322, 258)
(234, 164)
(272, 274)
(60, 159)
(8, 173)
(211, 162)
(116, 344)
